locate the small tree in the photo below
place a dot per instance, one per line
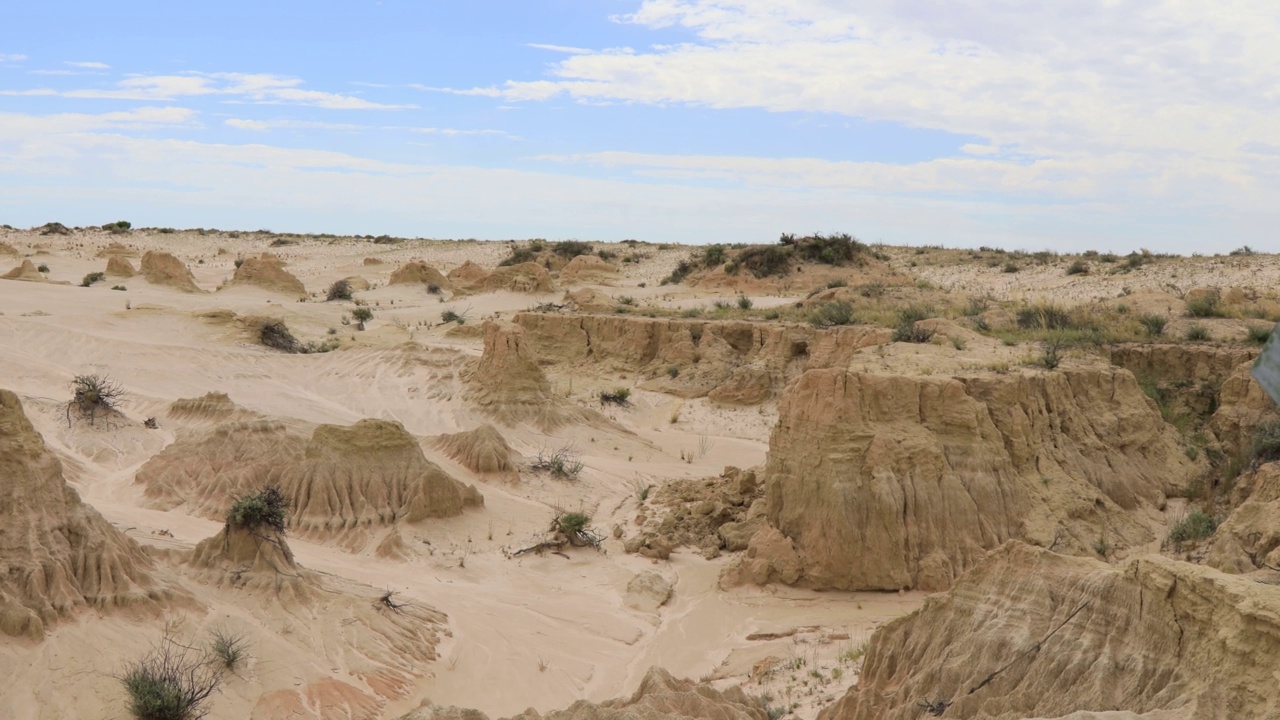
(267, 507)
(361, 315)
(93, 394)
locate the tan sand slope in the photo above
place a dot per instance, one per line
(60, 556)
(524, 278)
(1032, 634)
(119, 266)
(419, 273)
(659, 697)
(588, 269)
(887, 482)
(26, 271)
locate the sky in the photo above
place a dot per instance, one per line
(1060, 124)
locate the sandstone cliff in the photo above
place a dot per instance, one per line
(1032, 634)
(888, 482)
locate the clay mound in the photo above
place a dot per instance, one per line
(118, 266)
(161, 268)
(58, 555)
(589, 300)
(344, 481)
(525, 277)
(7, 249)
(889, 482)
(356, 283)
(212, 406)
(373, 261)
(1032, 634)
(117, 249)
(659, 697)
(418, 272)
(467, 274)
(370, 474)
(206, 471)
(26, 272)
(258, 559)
(482, 450)
(267, 272)
(588, 269)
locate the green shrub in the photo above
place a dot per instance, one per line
(713, 256)
(92, 278)
(1043, 317)
(837, 283)
(1265, 446)
(839, 249)
(433, 289)
(1197, 333)
(340, 290)
(92, 394)
(1258, 334)
(170, 683)
(118, 227)
(451, 316)
(119, 287)
(762, 261)
(42, 268)
(569, 249)
(606, 255)
(744, 302)
(673, 372)
(1205, 306)
(1153, 324)
(617, 396)
(229, 649)
(1011, 267)
(1078, 267)
(833, 313)
(1196, 526)
(267, 507)
(677, 276)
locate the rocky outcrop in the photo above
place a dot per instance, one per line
(508, 385)
(732, 362)
(58, 556)
(1185, 362)
(1249, 538)
(1032, 634)
(161, 268)
(889, 482)
(1242, 406)
(267, 272)
(659, 697)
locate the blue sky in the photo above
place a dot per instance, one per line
(1109, 124)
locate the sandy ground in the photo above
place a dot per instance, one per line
(538, 631)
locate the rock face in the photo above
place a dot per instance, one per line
(27, 271)
(734, 363)
(161, 268)
(889, 482)
(659, 697)
(119, 266)
(507, 383)
(482, 450)
(1249, 539)
(212, 406)
(524, 277)
(57, 555)
(267, 272)
(1031, 634)
(418, 272)
(1242, 405)
(342, 481)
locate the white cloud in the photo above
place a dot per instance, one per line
(265, 125)
(261, 89)
(561, 49)
(88, 65)
(11, 58)
(452, 132)
(20, 127)
(475, 92)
